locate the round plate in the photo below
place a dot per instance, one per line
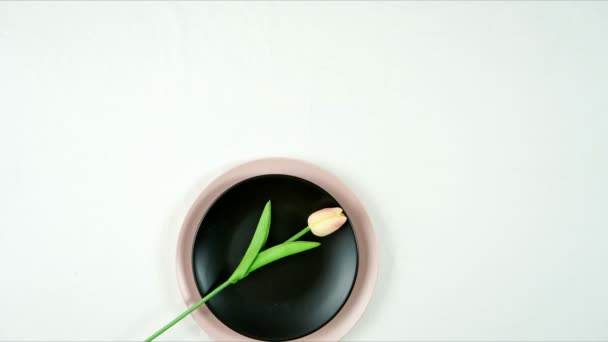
(292, 297)
(316, 295)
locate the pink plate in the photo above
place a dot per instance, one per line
(366, 242)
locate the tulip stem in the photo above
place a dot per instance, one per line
(210, 295)
(189, 311)
(299, 235)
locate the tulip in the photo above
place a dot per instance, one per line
(322, 223)
(326, 221)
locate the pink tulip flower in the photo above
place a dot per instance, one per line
(326, 221)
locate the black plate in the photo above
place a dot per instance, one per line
(289, 298)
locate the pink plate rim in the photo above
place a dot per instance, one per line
(368, 258)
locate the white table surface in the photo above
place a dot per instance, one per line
(476, 133)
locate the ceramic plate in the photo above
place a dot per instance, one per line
(316, 295)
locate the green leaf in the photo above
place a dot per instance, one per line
(256, 244)
(280, 251)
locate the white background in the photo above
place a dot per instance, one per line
(474, 132)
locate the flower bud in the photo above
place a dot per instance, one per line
(326, 221)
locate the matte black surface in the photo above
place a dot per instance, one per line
(289, 298)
